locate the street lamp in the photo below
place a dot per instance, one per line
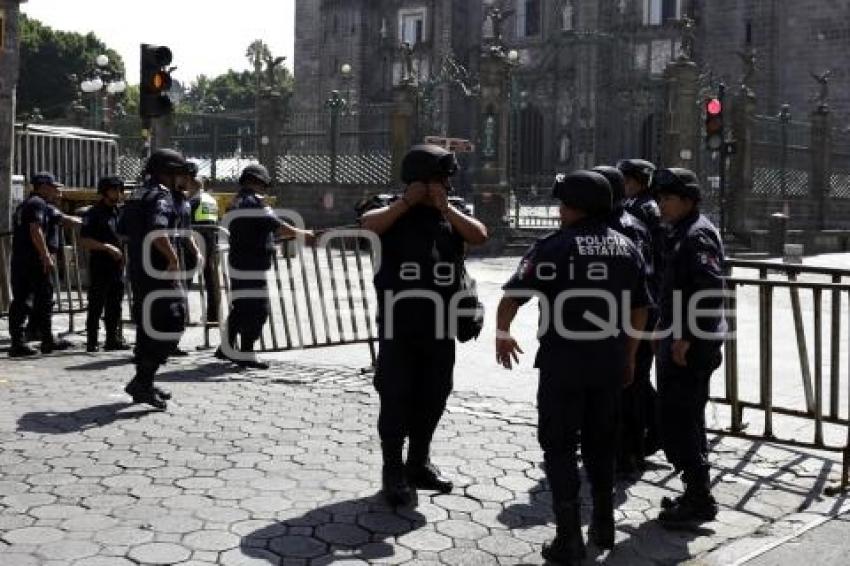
(784, 119)
(345, 71)
(102, 77)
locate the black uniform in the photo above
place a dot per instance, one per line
(581, 379)
(693, 264)
(416, 355)
(645, 209)
(150, 208)
(29, 280)
(252, 250)
(106, 287)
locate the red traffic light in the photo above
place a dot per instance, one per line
(714, 107)
(161, 81)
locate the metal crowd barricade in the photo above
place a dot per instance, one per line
(811, 408)
(67, 278)
(319, 297)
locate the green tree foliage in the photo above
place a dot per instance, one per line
(53, 63)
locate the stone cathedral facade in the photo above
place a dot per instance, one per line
(588, 86)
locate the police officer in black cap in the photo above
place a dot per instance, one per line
(690, 351)
(148, 220)
(636, 422)
(585, 276)
(34, 244)
(253, 227)
(106, 266)
(422, 244)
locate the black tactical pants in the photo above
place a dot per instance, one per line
(165, 314)
(413, 379)
(565, 410)
(212, 290)
(248, 314)
(32, 296)
(106, 291)
(639, 427)
(683, 393)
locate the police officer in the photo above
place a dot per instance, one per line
(689, 353)
(204, 219)
(188, 253)
(579, 274)
(635, 422)
(253, 227)
(422, 240)
(152, 208)
(640, 202)
(35, 242)
(106, 266)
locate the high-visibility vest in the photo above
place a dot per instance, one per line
(207, 211)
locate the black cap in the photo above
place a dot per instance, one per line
(192, 168)
(638, 169)
(256, 172)
(45, 178)
(112, 182)
(166, 162)
(584, 190)
(615, 178)
(676, 181)
(426, 162)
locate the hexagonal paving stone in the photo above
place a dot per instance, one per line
(33, 535)
(425, 540)
(388, 523)
(103, 561)
(248, 557)
(462, 529)
(211, 540)
(341, 534)
(124, 536)
(218, 514)
(89, 523)
(20, 559)
(467, 557)
(297, 546)
(503, 545)
(24, 501)
(174, 524)
(68, 549)
(269, 504)
(457, 503)
(160, 553)
(484, 492)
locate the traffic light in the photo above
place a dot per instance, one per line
(714, 124)
(155, 82)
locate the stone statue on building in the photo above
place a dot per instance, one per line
(271, 71)
(407, 74)
(822, 98)
(688, 38)
(748, 58)
(496, 17)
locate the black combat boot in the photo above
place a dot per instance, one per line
(141, 388)
(394, 486)
(694, 507)
(53, 345)
(115, 342)
(601, 530)
(21, 350)
(568, 546)
(427, 476)
(91, 341)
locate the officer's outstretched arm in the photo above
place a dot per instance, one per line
(71, 221)
(288, 232)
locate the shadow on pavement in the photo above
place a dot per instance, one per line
(199, 374)
(358, 529)
(98, 365)
(47, 422)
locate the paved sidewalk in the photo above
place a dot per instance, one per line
(282, 467)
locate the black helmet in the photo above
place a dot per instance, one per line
(426, 162)
(111, 182)
(584, 190)
(676, 181)
(256, 172)
(166, 162)
(638, 169)
(615, 178)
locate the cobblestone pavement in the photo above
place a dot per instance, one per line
(282, 467)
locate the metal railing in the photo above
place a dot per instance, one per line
(815, 390)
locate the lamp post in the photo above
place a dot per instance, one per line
(345, 71)
(102, 78)
(335, 104)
